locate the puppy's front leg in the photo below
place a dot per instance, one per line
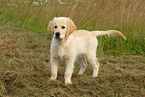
(54, 67)
(69, 70)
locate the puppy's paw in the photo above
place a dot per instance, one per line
(80, 73)
(52, 78)
(94, 75)
(68, 82)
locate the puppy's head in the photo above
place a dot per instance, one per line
(61, 27)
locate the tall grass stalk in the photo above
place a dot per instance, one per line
(126, 16)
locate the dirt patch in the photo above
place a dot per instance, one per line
(25, 70)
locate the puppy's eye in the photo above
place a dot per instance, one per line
(63, 27)
(55, 27)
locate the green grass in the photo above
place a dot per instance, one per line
(125, 16)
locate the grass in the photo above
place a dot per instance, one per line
(25, 46)
(25, 70)
(125, 16)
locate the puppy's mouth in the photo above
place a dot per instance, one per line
(57, 37)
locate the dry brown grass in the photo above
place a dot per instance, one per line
(25, 70)
(88, 14)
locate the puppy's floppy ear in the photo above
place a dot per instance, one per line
(50, 27)
(70, 27)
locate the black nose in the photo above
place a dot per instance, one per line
(57, 34)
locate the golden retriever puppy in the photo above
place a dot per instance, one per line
(69, 44)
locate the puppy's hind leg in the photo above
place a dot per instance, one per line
(94, 62)
(98, 65)
(83, 64)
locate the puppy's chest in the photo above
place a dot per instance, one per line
(65, 52)
(61, 52)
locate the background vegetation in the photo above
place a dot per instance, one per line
(25, 42)
(126, 16)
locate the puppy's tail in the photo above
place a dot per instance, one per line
(109, 33)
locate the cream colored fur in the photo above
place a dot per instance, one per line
(72, 44)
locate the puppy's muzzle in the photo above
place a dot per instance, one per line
(57, 35)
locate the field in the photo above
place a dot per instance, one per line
(25, 70)
(25, 48)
